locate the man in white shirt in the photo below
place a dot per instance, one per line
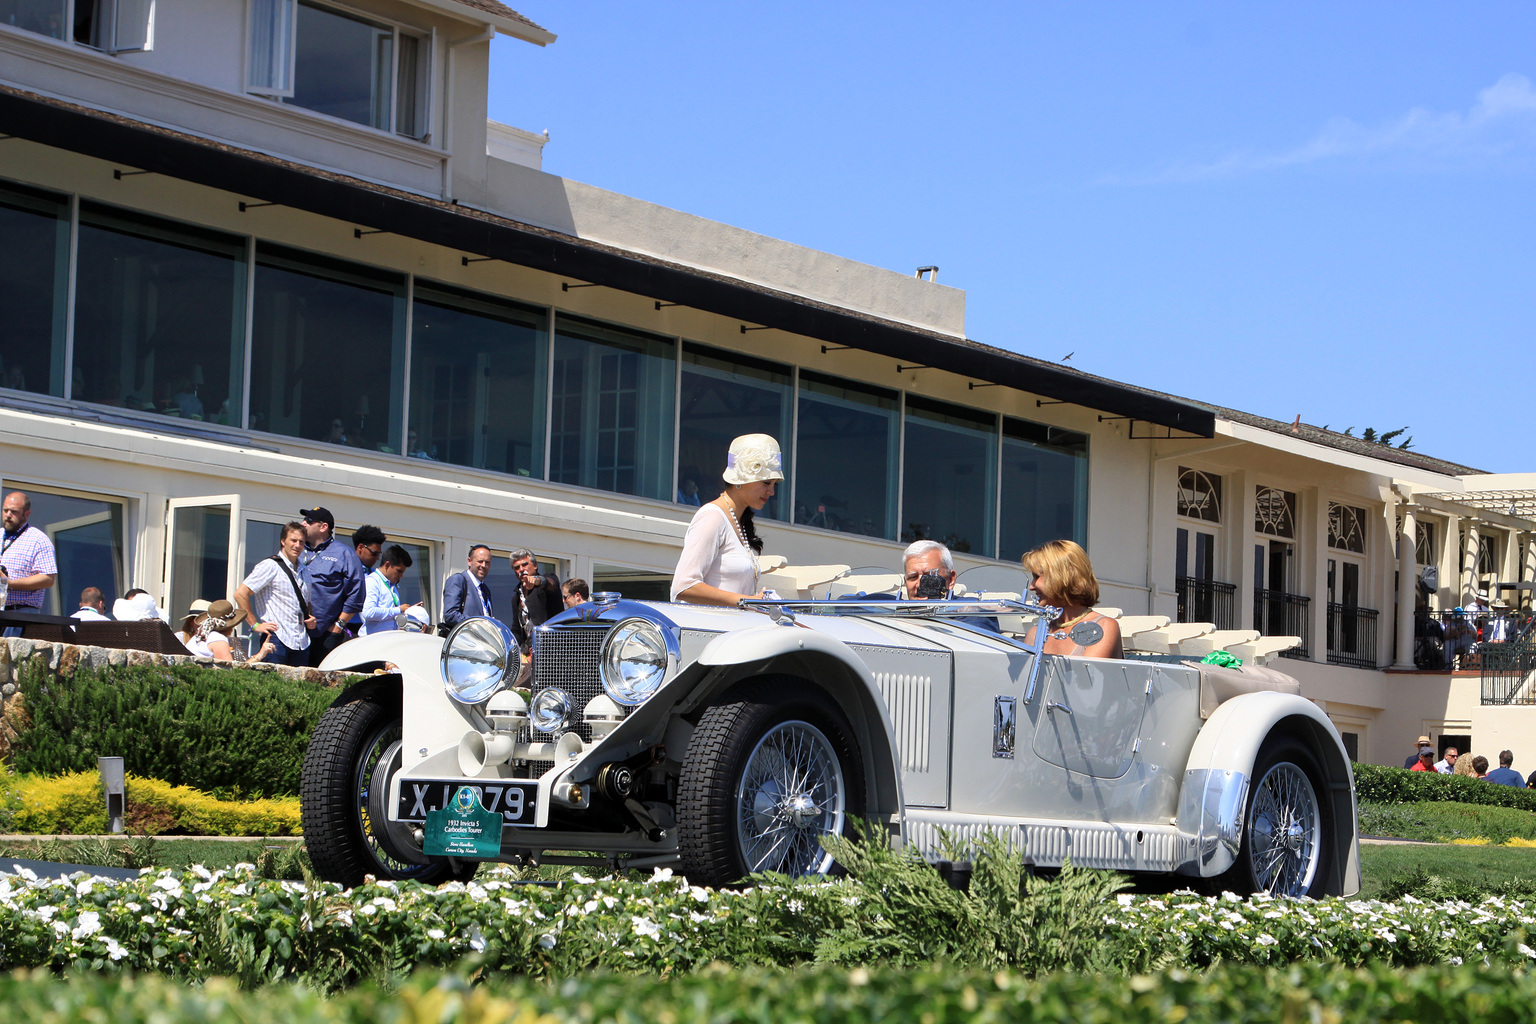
(93, 606)
(382, 607)
(1447, 764)
(282, 603)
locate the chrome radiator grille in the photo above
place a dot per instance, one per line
(568, 658)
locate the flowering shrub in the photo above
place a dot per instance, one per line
(933, 994)
(72, 805)
(199, 924)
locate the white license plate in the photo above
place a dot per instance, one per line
(514, 801)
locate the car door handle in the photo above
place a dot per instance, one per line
(1058, 706)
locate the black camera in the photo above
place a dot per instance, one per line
(932, 584)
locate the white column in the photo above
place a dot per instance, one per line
(1238, 526)
(1407, 586)
(1469, 577)
(1312, 549)
(1448, 595)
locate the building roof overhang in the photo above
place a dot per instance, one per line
(494, 14)
(262, 177)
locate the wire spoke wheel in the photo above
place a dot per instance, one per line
(772, 767)
(353, 755)
(791, 794)
(1285, 831)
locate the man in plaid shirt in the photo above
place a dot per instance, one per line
(26, 555)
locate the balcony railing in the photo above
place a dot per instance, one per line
(1207, 601)
(1509, 673)
(1276, 613)
(1351, 635)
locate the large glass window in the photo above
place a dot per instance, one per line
(261, 541)
(634, 584)
(44, 16)
(611, 426)
(1044, 486)
(845, 472)
(113, 25)
(949, 479)
(479, 372)
(87, 535)
(159, 316)
(723, 396)
(199, 556)
(339, 63)
(327, 350)
(34, 268)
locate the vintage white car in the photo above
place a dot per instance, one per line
(724, 742)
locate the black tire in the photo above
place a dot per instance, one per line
(735, 813)
(352, 755)
(1287, 839)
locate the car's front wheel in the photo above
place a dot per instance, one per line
(353, 754)
(1287, 837)
(771, 769)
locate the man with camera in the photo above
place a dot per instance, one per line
(928, 574)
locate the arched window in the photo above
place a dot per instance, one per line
(1199, 495)
(1346, 527)
(1274, 512)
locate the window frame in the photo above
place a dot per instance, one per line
(426, 49)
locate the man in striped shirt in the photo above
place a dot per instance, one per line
(281, 600)
(26, 555)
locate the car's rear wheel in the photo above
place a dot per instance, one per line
(352, 756)
(1287, 837)
(771, 769)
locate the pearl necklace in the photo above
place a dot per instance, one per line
(730, 510)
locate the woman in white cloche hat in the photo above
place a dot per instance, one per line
(719, 561)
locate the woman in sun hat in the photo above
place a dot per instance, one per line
(209, 636)
(719, 561)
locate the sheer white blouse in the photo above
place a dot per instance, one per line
(713, 554)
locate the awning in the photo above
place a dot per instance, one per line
(259, 176)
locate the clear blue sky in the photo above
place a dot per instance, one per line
(1313, 208)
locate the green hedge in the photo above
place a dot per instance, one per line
(937, 994)
(235, 733)
(1387, 784)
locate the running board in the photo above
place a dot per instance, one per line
(1048, 843)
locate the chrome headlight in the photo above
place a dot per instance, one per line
(477, 658)
(551, 710)
(634, 661)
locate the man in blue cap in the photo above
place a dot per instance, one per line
(337, 581)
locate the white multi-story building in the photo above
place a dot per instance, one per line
(257, 255)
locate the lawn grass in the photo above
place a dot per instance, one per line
(1440, 822)
(276, 857)
(1489, 868)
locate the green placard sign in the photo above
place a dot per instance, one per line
(463, 829)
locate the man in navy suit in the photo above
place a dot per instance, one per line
(465, 594)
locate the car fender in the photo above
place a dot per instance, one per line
(417, 654)
(1217, 775)
(832, 665)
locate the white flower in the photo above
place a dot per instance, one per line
(610, 902)
(114, 950)
(477, 939)
(1525, 950)
(436, 933)
(84, 888)
(1124, 899)
(546, 941)
(645, 928)
(660, 875)
(88, 923)
(1266, 939)
(384, 903)
(577, 876)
